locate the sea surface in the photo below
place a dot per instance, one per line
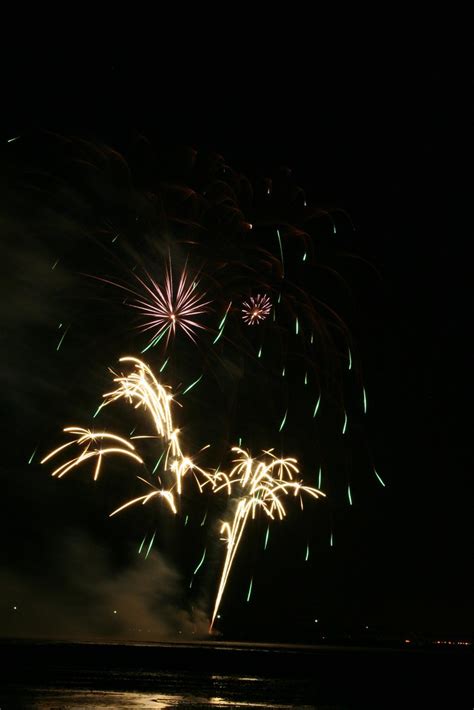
(59, 675)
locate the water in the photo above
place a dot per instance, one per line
(59, 676)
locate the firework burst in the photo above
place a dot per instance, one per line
(261, 485)
(256, 309)
(168, 308)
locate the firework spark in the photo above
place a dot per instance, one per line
(256, 309)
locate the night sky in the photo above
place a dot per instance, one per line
(380, 140)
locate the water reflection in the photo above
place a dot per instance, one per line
(63, 699)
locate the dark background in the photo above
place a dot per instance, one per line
(382, 138)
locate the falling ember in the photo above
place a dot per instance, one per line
(256, 309)
(141, 546)
(317, 406)
(193, 384)
(62, 338)
(383, 484)
(221, 324)
(249, 593)
(201, 562)
(158, 461)
(281, 254)
(150, 545)
(267, 535)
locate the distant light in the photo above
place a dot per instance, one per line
(316, 621)
(366, 627)
(407, 641)
(218, 616)
(14, 608)
(115, 611)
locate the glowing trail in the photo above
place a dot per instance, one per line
(221, 324)
(383, 484)
(249, 593)
(266, 537)
(317, 406)
(281, 254)
(150, 545)
(62, 338)
(345, 422)
(201, 562)
(193, 384)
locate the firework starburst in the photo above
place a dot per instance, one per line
(170, 307)
(256, 309)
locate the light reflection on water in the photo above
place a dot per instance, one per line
(63, 699)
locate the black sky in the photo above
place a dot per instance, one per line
(382, 140)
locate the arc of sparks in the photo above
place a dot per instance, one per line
(88, 438)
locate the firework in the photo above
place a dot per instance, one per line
(160, 493)
(305, 339)
(261, 486)
(92, 443)
(141, 388)
(256, 309)
(168, 308)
